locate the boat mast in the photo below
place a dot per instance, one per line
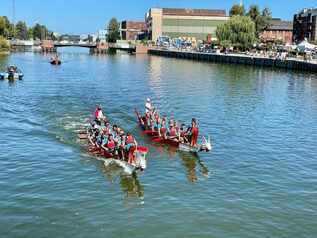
(13, 18)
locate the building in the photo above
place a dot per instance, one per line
(278, 30)
(305, 25)
(188, 23)
(70, 38)
(102, 35)
(132, 30)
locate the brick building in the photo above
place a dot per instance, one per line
(305, 25)
(132, 30)
(278, 30)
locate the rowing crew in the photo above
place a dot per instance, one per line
(169, 128)
(111, 139)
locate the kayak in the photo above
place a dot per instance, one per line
(136, 156)
(185, 147)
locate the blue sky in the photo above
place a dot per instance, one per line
(87, 16)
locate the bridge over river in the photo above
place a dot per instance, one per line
(99, 47)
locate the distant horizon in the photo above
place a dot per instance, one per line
(87, 18)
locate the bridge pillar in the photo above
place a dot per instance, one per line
(48, 46)
(101, 48)
(141, 49)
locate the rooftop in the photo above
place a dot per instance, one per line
(194, 12)
(279, 25)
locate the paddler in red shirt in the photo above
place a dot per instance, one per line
(194, 133)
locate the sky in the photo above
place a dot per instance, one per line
(87, 16)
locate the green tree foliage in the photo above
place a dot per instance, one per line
(40, 32)
(239, 32)
(113, 30)
(237, 10)
(266, 12)
(2, 26)
(21, 30)
(261, 19)
(4, 44)
(30, 33)
(254, 12)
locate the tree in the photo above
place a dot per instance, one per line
(113, 30)
(261, 20)
(254, 12)
(40, 32)
(237, 10)
(239, 32)
(4, 44)
(9, 28)
(30, 33)
(21, 30)
(2, 26)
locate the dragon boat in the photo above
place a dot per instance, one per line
(205, 146)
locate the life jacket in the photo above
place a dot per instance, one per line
(195, 131)
(97, 114)
(172, 132)
(129, 140)
(111, 144)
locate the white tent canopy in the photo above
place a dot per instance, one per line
(305, 45)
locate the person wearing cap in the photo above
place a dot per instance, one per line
(148, 105)
(99, 116)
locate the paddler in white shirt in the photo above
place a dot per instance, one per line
(148, 106)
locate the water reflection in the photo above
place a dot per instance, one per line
(130, 184)
(190, 162)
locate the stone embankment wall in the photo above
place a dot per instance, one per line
(291, 64)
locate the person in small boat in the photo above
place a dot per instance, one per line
(99, 116)
(173, 131)
(183, 134)
(156, 125)
(194, 132)
(111, 144)
(99, 139)
(12, 69)
(107, 128)
(115, 132)
(121, 145)
(163, 129)
(129, 142)
(148, 105)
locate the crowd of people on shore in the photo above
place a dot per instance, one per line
(111, 139)
(169, 128)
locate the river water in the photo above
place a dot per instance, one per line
(260, 180)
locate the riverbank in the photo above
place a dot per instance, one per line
(4, 53)
(290, 64)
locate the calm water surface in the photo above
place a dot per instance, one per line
(260, 180)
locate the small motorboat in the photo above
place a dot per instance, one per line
(185, 147)
(55, 62)
(12, 73)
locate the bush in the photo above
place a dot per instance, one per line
(4, 44)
